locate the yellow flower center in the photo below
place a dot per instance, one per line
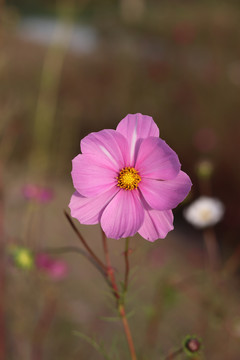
(128, 178)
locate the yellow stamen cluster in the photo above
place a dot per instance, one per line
(128, 178)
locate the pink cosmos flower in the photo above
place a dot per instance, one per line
(128, 180)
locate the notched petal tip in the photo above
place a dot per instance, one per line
(156, 225)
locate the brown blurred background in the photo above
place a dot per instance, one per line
(68, 68)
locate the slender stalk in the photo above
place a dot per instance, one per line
(120, 305)
(42, 328)
(2, 278)
(81, 238)
(128, 334)
(126, 253)
(112, 282)
(212, 249)
(232, 264)
(75, 249)
(110, 272)
(2, 317)
(174, 354)
(105, 248)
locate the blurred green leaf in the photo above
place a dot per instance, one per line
(99, 347)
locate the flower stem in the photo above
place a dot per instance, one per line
(98, 261)
(128, 334)
(2, 277)
(105, 248)
(174, 354)
(232, 264)
(126, 253)
(212, 249)
(110, 272)
(120, 305)
(2, 316)
(42, 328)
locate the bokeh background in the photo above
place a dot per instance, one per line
(68, 68)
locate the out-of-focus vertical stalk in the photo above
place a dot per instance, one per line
(174, 354)
(205, 171)
(233, 263)
(2, 276)
(48, 94)
(42, 327)
(212, 248)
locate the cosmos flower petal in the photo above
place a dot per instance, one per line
(165, 195)
(108, 147)
(91, 178)
(123, 216)
(156, 160)
(88, 210)
(156, 224)
(135, 127)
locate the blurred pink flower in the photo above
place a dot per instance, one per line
(128, 180)
(56, 269)
(37, 193)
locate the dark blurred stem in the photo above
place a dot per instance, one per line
(120, 305)
(77, 250)
(174, 354)
(105, 249)
(126, 253)
(2, 277)
(89, 250)
(233, 263)
(42, 328)
(2, 317)
(212, 249)
(110, 271)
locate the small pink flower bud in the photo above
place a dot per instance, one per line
(191, 345)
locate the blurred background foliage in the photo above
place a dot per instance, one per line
(68, 68)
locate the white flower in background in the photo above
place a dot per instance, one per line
(205, 211)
